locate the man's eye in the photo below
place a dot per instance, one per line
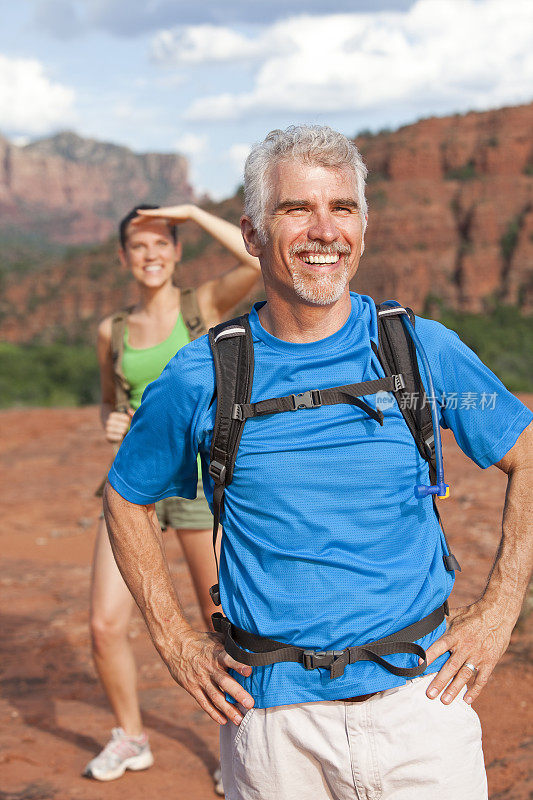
(296, 210)
(345, 209)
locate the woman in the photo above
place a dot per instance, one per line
(149, 335)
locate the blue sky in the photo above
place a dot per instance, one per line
(210, 78)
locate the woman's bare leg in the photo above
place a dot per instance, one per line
(111, 609)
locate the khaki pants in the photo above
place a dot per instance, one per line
(397, 745)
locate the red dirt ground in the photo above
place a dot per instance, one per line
(54, 716)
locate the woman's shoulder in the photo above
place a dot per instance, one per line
(104, 328)
(106, 324)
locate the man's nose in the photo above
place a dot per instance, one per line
(323, 227)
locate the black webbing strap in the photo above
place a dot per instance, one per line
(397, 353)
(257, 651)
(314, 398)
(233, 356)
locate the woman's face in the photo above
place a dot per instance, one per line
(150, 252)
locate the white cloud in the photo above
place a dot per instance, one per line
(237, 154)
(191, 144)
(439, 56)
(200, 44)
(30, 103)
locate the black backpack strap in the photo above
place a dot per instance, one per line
(233, 356)
(397, 354)
(314, 398)
(258, 651)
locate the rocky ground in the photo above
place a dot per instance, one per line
(54, 716)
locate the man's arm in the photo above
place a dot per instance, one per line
(480, 633)
(197, 661)
(216, 297)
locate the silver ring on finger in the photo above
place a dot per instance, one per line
(471, 666)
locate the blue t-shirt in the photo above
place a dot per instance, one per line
(325, 545)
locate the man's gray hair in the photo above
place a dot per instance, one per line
(314, 144)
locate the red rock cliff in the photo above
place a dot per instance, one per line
(70, 189)
(450, 217)
(451, 210)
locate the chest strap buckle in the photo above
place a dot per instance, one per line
(311, 399)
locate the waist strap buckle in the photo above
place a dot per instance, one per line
(334, 660)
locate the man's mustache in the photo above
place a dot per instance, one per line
(320, 249)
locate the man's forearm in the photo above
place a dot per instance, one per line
(135, 537)
(197, 661)
(510, 574)
(479, 634)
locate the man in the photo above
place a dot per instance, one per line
(325, 544)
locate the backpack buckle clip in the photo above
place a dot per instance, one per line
(236, 412)
(399, 382)
(217, 471)
(310, 399)
(334, 660)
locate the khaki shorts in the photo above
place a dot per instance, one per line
(182, 514)
(397, 745)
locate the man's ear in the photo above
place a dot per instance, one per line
(251, 237)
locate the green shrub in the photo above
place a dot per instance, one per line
(509, 239)
(503, 339)
(48, 375)
(465, 173)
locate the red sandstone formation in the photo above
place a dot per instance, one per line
(72, 190)
(451, 210)
(450, 217)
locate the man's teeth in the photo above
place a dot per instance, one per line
(320, 259)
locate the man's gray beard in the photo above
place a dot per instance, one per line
(320, 290)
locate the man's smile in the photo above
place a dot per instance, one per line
(314, 258)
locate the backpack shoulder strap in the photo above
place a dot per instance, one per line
(396, 353)
(192, 315)
(233, 356)
(122, 387)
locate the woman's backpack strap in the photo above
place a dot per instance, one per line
(122, 387)
(191, 313)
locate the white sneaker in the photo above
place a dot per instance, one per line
(122, 752)
(217, 778)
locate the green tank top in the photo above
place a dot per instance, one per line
(141, 366)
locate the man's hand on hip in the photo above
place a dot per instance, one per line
(477, 636)
(200, 666)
